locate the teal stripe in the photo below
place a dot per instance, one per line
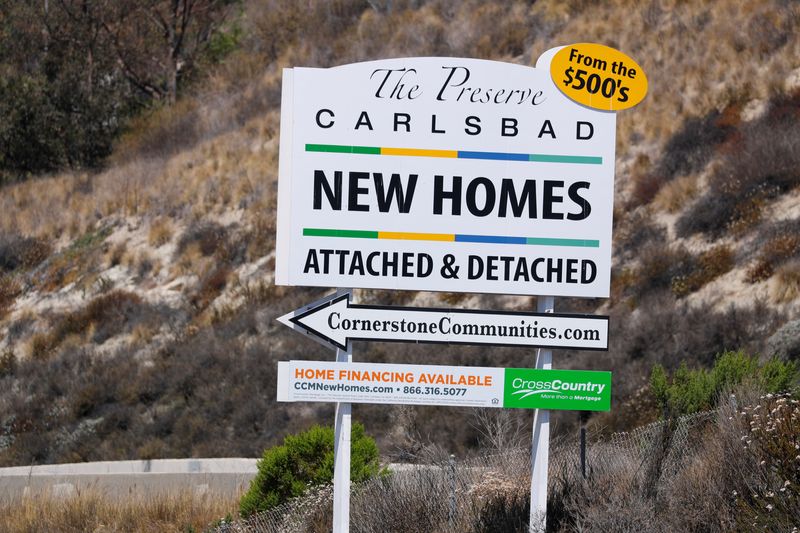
(579, 159)
(348, 233)
(580, 243)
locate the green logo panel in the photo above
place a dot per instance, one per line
(575, 390)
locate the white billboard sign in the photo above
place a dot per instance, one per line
(443, 174)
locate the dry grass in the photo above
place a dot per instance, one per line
(102, 318)
(787, 283)
(676, 194)
(226, 161)
(734, 469)
(117, 255)
(94, 511)
(775, 251)
(160, 233)
(9, 290)
(706, 268)
(209, 287)
(217, 150)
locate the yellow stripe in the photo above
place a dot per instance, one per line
(419, 152)
(402, 236)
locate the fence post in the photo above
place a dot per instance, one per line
(583, 452)
(451, 474)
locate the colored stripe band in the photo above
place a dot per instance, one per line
(455, 154)
(448, 237)
(346, 233)
(405, 236)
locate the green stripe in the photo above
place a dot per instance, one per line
(580, 159)
(341, 149)
(582, 243)
(353, 234)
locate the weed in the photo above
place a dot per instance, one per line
(676, 194)
(710, 265)
(117, 254)
(659, 266)
(160, 232)
(759, 165)
(145, 264)
(90, 239)
(787, 283)
(10, 288)
(260, 238)
(40, 346)
(207, 236)
(209, 287)
(636, 232)
(81, 258)
(770, 437)
(91, 510)
(779, 248)
(105, 316)
(686, 152)
(22, 252)
(8, 363)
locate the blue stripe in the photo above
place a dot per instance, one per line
(495, 156)
(491, 239)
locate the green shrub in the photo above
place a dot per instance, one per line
(303, 460)
(691, 391)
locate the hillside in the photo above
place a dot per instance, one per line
(137, 309)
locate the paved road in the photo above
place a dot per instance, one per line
(224, 477)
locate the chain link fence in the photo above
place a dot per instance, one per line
(489, 493)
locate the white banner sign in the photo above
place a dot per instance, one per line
(456, 386)
(390, 384)
(337, 321)
(443, 174)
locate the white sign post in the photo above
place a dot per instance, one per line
(540, 450)
(341, 457)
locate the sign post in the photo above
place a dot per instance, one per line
(341, 456)
(540, 450)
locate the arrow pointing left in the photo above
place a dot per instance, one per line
(337, 321)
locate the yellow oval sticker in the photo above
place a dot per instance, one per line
(598, 76)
